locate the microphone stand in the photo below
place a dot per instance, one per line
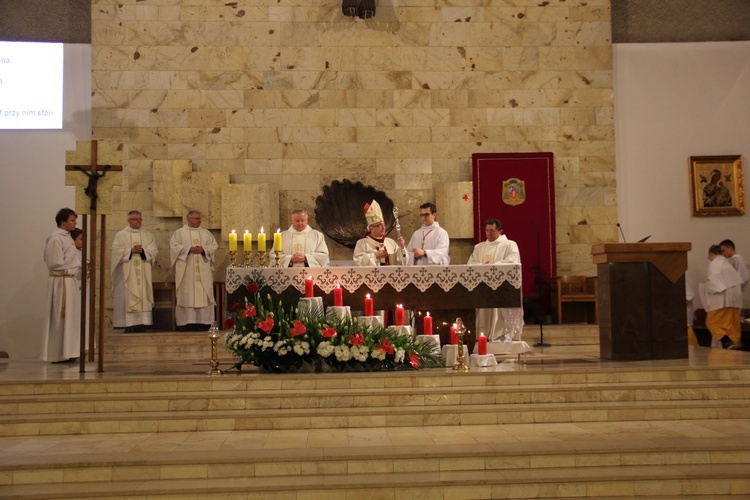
(540, 317)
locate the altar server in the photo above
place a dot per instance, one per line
(430, 243)
(133, 253)
(301, 245)
(192, 252)
(376, 249)
(722, 299)
(62, 329)
(498, 324)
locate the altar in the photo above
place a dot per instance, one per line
(423, 288)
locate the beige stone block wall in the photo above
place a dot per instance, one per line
(295, 94)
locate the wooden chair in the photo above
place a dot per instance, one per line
(576, 295)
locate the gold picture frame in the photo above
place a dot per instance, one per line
(716, 185)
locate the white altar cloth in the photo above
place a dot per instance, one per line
(450, 354)
(482, 360)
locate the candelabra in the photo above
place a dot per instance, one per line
(248, 259)
(460, 332)
(213, 334)
(262, 258)
(278, 259)
(233, 258)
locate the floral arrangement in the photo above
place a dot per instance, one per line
(278, 339)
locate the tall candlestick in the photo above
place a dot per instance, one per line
(482, 344)
(338, 296)
(427, 325)
(233, 241)
(454, 336)
(400, 315)
(247, 241)
(308, 285)
(261, 241)
(369, 306)
(277, 240)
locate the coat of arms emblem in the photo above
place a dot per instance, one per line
(514, 191)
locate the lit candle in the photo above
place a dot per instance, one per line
(400, 315)
(277, 240)
(454, 336)
(369, 306)
(247, 241)
(338, 296)
(233, 241)
(482, 344)
(427, 325)
(261, 240)
(308, 283)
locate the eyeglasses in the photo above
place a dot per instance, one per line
(425, 215)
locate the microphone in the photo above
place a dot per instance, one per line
(623, 234)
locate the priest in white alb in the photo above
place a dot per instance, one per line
(429, 245)
(301, 245)
(376, 249)
(722, 298)
(62, 330)
(133, 253)
(501, 323)
(192, 251)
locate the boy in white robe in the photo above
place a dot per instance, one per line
(62, 329)
(722, 299)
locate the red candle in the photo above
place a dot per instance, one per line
(369, 306)
(482, 343)
(309, 286)
(454, 337)
(400, 315)
(338, 296)
(427, 325)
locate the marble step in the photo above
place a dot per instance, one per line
(601, 450)
(697, 480)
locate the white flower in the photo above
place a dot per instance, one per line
(343, 353)
(378, 354)
(359, 352)
(400, 355)
(325, 349)
(301, 348)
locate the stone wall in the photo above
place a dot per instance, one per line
(293, 93)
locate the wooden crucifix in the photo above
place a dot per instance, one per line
(89, 189)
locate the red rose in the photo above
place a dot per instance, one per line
(228, 324)
(252, 288)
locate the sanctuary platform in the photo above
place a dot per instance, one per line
(564, 424)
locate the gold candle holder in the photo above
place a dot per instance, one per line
(247, 260)
(213, 334)
(460, 332)
(233, 258)
(278, 259)
(262, 258)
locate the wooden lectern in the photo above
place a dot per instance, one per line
(642, 311)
